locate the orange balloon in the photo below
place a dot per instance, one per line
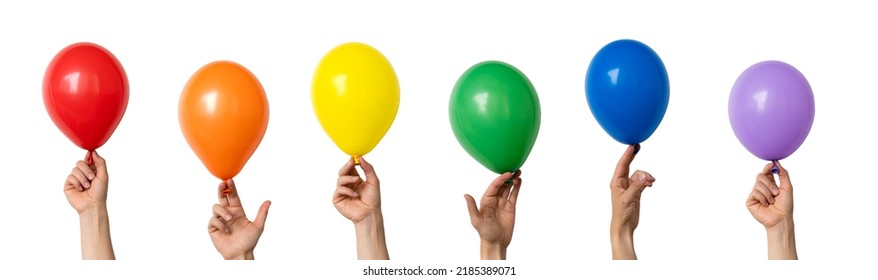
(223, 115)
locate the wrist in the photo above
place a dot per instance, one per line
(370, 222)
(93, 209)
(493, 250)
(620, 229)
(93, 216)
(248, 255)
(622, 241)
(784, 227)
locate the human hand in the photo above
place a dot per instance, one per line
(233, 235)
(772, 206)
(360, 202)
(86, 186)
(769, 204)
(626, 192)
(354, 198)
(495, 220)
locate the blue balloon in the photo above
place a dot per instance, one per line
(627, 90)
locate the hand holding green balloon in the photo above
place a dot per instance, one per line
(495, 115)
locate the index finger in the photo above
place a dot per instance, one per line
(100, 164)
(368, 170)
(230, 197)
(767, 172)
(784, 176)
(347, 168)
(623, 167)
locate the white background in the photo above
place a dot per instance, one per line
(693, 221)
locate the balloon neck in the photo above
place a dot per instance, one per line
(774, 169)
(91, 160)
(356, 160)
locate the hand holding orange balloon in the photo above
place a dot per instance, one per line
(223, 115)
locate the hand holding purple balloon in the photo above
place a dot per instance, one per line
(771, 110)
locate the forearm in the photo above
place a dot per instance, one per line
(370, 238)
(493, 251)
(622, 241)
(782, 241)
(94, 227)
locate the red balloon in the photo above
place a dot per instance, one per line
(85, 91)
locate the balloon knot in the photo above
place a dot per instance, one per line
(774, 169)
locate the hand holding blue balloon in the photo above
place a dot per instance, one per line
(627, 90)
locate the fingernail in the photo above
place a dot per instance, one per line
(91, 176)
(774, 191)
(227, 230)
(228, 217)
(642, 177)
(636, 149)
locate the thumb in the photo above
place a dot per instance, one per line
(262, 214)
(784, 177)
(369, 171)
(473, 209)
(100, 165)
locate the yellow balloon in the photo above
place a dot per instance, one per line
(355, 94)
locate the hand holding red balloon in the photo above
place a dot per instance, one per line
(85, 91)
(86, 186)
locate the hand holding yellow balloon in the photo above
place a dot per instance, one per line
(355, 94)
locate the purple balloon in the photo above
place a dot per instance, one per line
(771, 109)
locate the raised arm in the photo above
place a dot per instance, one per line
(360, 201)
(86, 190)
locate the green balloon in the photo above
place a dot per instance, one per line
(495, 115)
